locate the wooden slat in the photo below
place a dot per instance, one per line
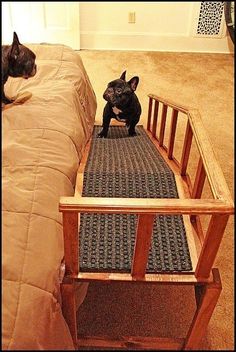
(155, 115)
(186, 149)
(199, 180)
(211, 245)
(207, 301)
(80, 172)
(163, 124)
(131, 342)
(84, 158)
(79, 185)
(186, 278)
(71, 245)
(197, 192)
(172, 133)
(143, 205)
(69, 308)
(149, 114)
(192, 239)
(142, 245)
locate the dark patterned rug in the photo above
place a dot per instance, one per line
(129, 167)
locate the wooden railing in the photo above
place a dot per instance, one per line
(192, 204)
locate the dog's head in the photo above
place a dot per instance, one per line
(119, 92)
(21, 60)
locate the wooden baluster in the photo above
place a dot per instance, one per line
(198, 187)
(172, 133)
(69, 307)
(199, 180)
(142, 245)
(149, 115)
(71, 242)
(154, 124)
(186, 149)
(211, 245)
(163, 124)
(209, 294)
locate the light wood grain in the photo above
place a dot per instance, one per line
(131, 342)
(209, 295)
(149, 114)
(71, 245)
(185, 278)
(155, 116)
(142, 245)
(170, 103)
(163, 125)
(143, 205)
(199, 180)
(173, 125)
(186, 149)
(211, 244)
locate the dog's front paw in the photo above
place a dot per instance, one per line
(132, 133)
(101, 135)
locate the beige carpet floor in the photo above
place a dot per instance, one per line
(205, 82)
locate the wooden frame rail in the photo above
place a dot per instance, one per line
(190, 205)
(219, 208)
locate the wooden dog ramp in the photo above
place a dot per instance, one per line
(142, 217)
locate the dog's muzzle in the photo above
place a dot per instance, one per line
(109, 95)
(31, 74)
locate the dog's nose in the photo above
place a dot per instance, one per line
(109, 91)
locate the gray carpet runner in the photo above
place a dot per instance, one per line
(129, 167)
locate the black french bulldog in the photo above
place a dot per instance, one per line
(17, 61)
(122, 104)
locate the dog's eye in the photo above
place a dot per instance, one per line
(118, 90)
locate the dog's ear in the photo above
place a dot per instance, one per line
(15, 50)
(16, 39)
(134, 82)
(123, 76)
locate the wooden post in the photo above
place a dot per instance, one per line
(142, 245)
(163, 125)
(154, 124)
(69, 307)
(172, 132)
(198, 184)
(71, 242)
(186, 149)
(149, 114)
(211, 245)
(209, 295)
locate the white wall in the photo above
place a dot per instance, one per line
(160, 26)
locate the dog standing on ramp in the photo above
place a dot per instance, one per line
(122, 104)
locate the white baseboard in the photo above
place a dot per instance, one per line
(142, 41)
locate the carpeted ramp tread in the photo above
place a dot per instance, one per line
(129, 167)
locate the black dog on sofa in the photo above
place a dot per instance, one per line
(122, 104)
(17, 61)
